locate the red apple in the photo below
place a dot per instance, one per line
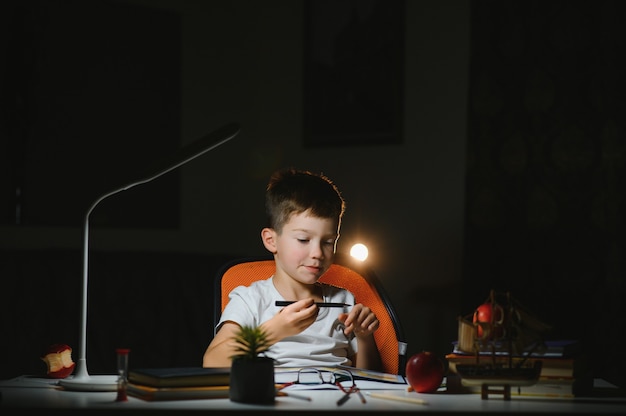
(424, 372)
(58, 359)
(492, 316)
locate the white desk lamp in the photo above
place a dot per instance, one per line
(81, 380)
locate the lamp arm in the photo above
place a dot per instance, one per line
(184, 155)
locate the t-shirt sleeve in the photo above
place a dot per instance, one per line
(249, 305)
(238, 309)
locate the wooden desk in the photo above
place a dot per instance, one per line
(18, 396)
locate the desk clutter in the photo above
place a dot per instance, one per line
(380, 394)
(558, 377)
(27, 395)
(502, 349)
(188, 383)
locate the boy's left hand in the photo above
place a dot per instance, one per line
(360, 320)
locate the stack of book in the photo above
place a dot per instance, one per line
(178, 383)
(563, 369)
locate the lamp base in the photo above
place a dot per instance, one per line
(90, 383)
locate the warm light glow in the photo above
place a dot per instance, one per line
(359, 251)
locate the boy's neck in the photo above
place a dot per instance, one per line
(290, 289)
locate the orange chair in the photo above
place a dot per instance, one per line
(343, 273)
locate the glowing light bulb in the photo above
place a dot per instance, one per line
(359, 251)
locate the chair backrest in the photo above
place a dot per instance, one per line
(343, 273)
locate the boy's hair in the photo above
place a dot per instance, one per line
(291, 191)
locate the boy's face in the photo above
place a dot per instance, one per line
(305, 248)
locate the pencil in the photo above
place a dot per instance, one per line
(319, 304)
(396, 398)
(295, 396)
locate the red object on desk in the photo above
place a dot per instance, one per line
(424, 372)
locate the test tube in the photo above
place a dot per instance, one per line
(122, 373)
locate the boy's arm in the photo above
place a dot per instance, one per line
(291, 320)
(222, 347)
(362, 322)
(368, 356)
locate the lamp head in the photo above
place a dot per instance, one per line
(359, 251)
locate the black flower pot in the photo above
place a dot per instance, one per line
(252, 381)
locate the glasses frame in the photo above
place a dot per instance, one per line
(335, 380)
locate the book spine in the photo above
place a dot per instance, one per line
(549, 368)
(545, 387)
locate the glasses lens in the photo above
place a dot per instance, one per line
(310, 376)
(344, 378)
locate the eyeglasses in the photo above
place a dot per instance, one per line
(343, 379)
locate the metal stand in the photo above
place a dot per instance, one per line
(488, 389)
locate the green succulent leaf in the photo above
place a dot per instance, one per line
(252, 342)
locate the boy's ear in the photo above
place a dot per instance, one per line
(268, 236)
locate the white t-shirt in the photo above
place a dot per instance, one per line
(322, 344)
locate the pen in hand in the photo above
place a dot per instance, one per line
(319, 304)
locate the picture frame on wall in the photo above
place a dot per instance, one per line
(353, 72)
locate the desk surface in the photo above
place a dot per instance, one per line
(21, 396)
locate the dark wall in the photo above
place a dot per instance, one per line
(90, 94)
(90, 98)
(545, 203)
(160, 305)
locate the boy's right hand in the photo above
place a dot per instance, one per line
(292, 319)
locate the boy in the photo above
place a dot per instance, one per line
(304, 212)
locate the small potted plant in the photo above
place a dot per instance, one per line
(252, 372)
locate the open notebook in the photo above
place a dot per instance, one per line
(364, 379)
